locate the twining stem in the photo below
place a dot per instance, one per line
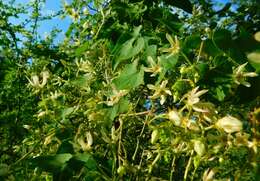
(102, 23)
(120, 142)
(200, 50)
(137, 114)
(173, 163)
(186, 58)
(188, 166)
(138, 140)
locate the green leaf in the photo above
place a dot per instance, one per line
(182, 4)
(121, 107)
(112, 113)
(202, 69)
(80, 81)
(87, 159)
(82, 48)
(65, 147)
(150, 51)
(168, 62)
(52, 163)
(129, 49)
(211, 49)
(223, 39)
(220, 94)
(130, 77)
(192, 41)
(136, 31)
(4, 169)
(67, 111)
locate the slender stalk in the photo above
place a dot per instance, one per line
(188, 166)
(138, 141)
(102, 23)
(186, 58)
(172, 171)
(200, 50)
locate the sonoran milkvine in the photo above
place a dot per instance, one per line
(136, 90)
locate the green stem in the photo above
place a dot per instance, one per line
(188, 166)
(173, 163)
(200, 50)
(186, 58)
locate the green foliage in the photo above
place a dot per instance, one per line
(130, 77)
(159, 90)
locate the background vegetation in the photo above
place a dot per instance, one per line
(137, 90)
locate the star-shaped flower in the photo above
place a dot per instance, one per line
(175, 45)
(239, 75)
(36, 83)
(116, 96)
(154, 68)
(160, 91)
(192, 99)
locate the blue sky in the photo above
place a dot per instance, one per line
(44, 27)
(52, 6)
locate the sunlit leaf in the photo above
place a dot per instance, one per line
(52, 163)
(129, 49)
(168, 62)
(130, 77)
(87, 159)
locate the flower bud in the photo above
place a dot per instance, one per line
(155, 136)
(199, 147)
(121, 170)
(174, 116)
(230, 124)
(257, 36)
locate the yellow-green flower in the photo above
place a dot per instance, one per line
(36, 83)
(85, 141)
(116, 96)
(193, 100)
(75, 15)
(160, 91)
(154, 68)
(239, 75)
(175, 45)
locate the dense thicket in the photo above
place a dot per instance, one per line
(136, 90)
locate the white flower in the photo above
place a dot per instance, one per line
(229, 124)
(239, 75)
(45, 76)
(193, 100)
(208, 175)
(35, 81)
(160, 91)
(85, 145)
(154, 67)
(193, 97)
(117, 94)
(175, 45)
(41, 114)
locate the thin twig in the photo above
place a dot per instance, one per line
(188, 166)
(200, 50)
(102, 23)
